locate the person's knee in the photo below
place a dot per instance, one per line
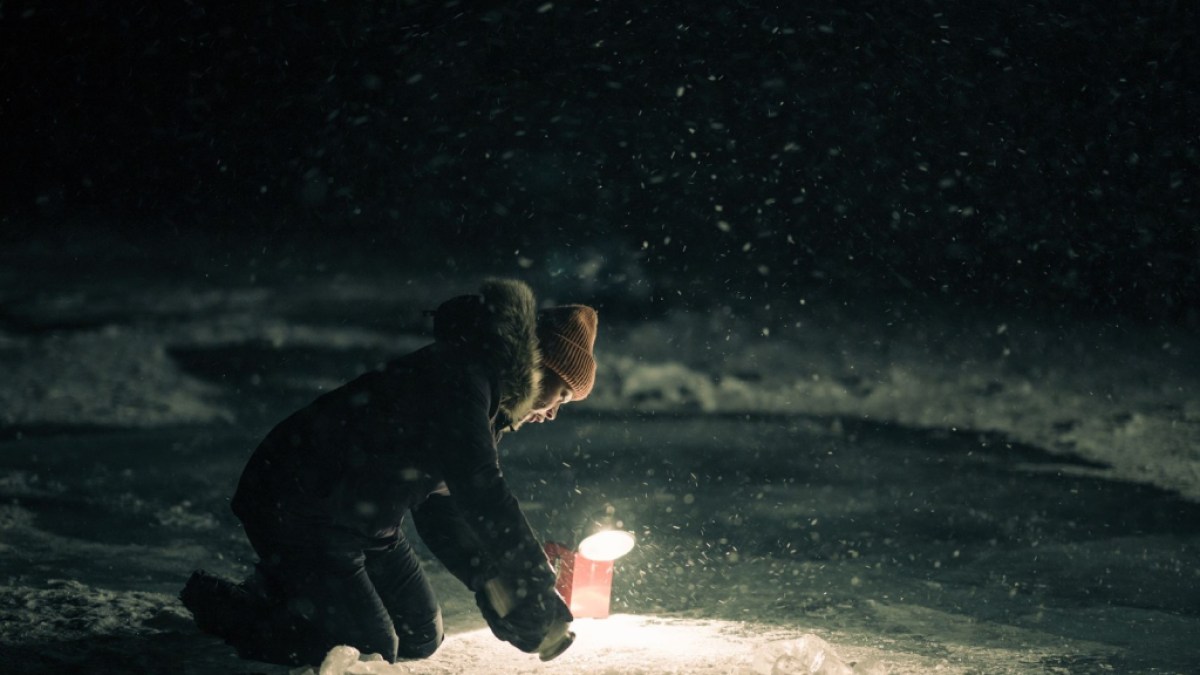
(419, 640)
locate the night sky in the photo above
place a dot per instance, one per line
(1035, 154)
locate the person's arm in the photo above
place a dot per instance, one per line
(445, 531)
(466, 451)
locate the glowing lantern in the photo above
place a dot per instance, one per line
(585, 576)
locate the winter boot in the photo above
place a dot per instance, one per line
(262, 589)
(219, 607)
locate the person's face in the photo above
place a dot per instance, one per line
(554, 394)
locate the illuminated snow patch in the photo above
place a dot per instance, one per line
(621, 644)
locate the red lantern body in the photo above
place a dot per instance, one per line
(585, 584)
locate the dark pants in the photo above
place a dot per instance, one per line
(377, 601)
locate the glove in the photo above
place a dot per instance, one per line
(528, 623)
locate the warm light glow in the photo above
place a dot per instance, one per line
(607, 545)
(622, 643)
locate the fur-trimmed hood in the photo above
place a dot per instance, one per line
(500, 324)
(514, 357)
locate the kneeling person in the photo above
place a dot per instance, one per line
(324, 496)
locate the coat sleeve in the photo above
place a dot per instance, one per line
(465, 449)
(445, 531)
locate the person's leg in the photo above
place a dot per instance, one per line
(333, 595)
(409, 599)
(311, 600)
(219, 606)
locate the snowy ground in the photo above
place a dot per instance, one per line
(928, 491)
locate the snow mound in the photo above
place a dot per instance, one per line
(67, 609)
(116, 375)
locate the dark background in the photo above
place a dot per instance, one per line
(1034, 154)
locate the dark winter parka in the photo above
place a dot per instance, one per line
(418, 436)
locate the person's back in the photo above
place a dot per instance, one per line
(345, 468)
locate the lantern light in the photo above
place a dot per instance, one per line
(585, 577)
(606, 546)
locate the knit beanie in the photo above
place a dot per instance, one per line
(566, 335)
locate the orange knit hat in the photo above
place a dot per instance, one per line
(566, 335)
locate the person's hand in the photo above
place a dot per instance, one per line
(528, 623)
